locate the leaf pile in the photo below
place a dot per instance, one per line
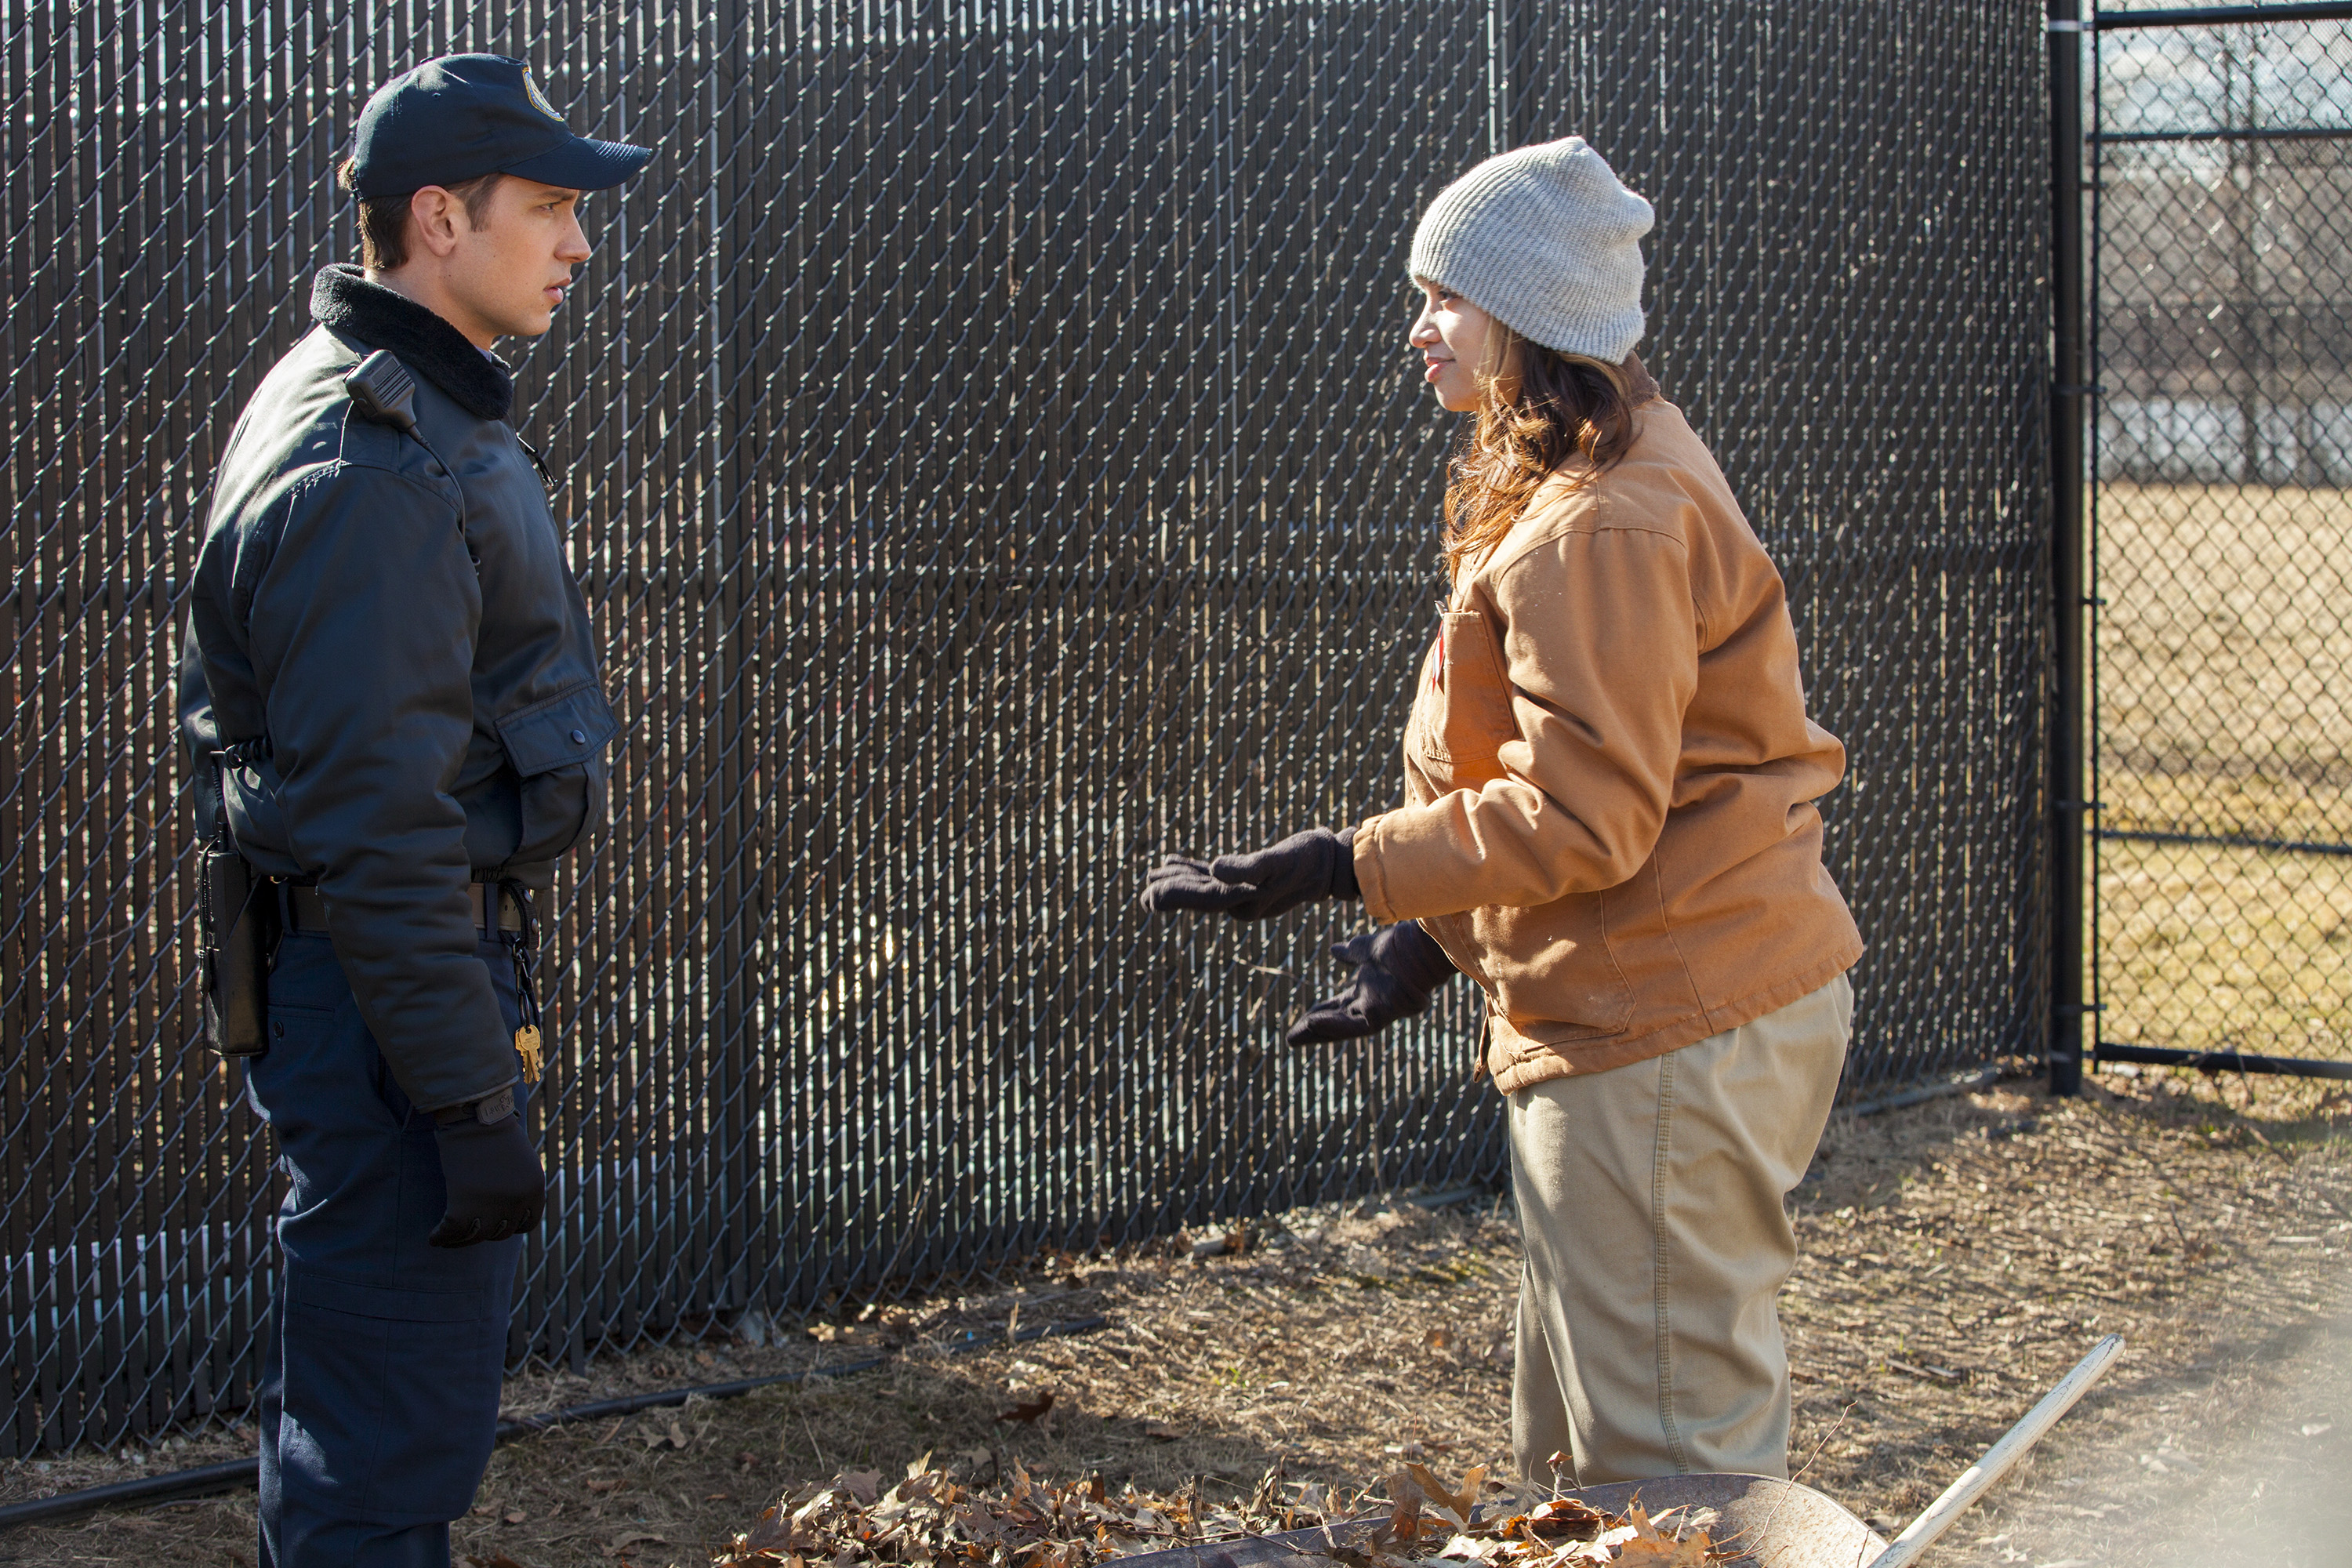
(1520, 1530)
(931, 1519)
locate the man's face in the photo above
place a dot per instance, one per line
(512, 273)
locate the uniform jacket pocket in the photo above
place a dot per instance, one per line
(557, 748)
(571, 726)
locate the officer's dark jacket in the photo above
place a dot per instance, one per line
(393, 615)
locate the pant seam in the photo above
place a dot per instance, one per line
(1662, 1281)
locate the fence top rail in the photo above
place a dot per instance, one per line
(2282, 134)
(2219, 15)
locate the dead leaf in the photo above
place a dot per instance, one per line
(654, 1436)
(845, 1334)
(495, 1560)
(604, 1484)
(770, 1532)
(1161, 1431)
(1437, 1339)
(973, 1522)
(1566, 1518)
(1404, 1519)
(1649, 1548)
(862, 1485)
(1457, 1503)
(623, 1541)
(514, 1516)
(1028, 1413)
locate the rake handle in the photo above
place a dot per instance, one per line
(1938, 1516)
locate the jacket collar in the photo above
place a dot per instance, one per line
(1639, 385)
(343, 298)
(1632, 379)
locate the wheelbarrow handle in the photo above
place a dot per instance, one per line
(1938, 1516)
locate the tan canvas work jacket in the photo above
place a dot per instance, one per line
(1610, 778)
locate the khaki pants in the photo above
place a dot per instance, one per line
(1649, 1203)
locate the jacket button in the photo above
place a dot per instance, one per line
(579, 737)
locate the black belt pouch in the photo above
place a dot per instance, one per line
(240, 918)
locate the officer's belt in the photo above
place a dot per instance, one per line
(306, 912)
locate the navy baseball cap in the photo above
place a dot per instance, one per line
(462, 116)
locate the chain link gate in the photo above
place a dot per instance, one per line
(991, 456)
(2220, 157)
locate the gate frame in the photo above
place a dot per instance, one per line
(2073, 534)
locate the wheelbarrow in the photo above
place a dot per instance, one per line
(1768, 1522)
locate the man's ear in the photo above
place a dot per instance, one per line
(436, 216)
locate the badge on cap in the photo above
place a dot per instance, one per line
(539, 99)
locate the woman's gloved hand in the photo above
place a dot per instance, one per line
(1316, 864)
(491, 1172)
(1398, 968)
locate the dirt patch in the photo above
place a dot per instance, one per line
(1958, 1255)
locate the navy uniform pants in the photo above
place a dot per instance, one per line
(380, 1384)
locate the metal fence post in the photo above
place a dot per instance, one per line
(2065, 785)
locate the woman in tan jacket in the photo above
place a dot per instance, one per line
(1609, 824)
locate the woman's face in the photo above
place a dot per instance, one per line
(1454, 338)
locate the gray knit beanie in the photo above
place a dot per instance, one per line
(1546, 240)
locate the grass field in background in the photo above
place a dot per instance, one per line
(2223, 712)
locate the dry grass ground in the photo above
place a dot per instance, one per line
(2225, 666)
(1958, 1260)
(1957, 1257)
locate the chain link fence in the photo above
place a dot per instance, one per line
(990, 451)
(2223, 542)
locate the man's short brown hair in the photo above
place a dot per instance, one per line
(384, 220)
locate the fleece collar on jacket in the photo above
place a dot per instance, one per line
(343, 298)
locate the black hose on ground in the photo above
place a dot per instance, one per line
(237, 1473)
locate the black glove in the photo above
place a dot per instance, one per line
(1397, 969)
(1316, 864)
(491, 1172)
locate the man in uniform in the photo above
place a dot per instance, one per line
(389, 685)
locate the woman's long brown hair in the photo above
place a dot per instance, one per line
(1541, 408)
